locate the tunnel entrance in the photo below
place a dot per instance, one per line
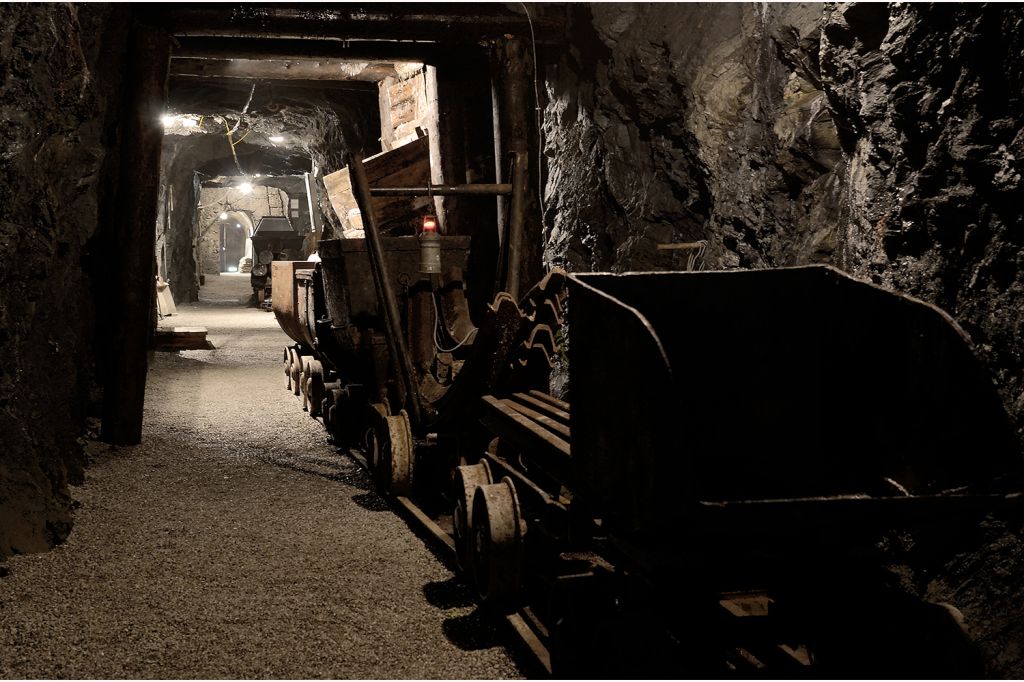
(235, 246)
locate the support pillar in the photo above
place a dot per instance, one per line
(133, 237)
(515, 133)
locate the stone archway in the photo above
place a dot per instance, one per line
(234, 243)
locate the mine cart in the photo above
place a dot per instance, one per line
(773, 403)
(274, 239)
(394, 351)
(764, 430)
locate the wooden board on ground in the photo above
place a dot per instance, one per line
(405, 166)
(181, 338)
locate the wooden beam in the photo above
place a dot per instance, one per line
(134, 236)
(282, 69)
(442, 22)
(182, 81)
(428, 52)
(516, 132)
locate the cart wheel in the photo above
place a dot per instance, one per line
(467, 478)
(498, 531)
(296, 372)
(394, 467)
(315, 388)
(375, 416)
(300, 389)
(290, 358)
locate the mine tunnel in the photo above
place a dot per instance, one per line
(572, 340)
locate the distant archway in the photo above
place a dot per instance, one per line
(235, 245)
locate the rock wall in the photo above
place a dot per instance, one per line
(882, 139)
(58, 133)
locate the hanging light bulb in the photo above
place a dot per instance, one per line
(167, 120)
(245, 188)
(223, 215)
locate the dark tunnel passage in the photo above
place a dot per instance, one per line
(614, 336)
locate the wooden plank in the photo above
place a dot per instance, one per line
(405, 166)
(281, 69)
(543, 406)
(531, 640)
(557, 427)
(428, 524)
(541, 395)
(455, 23)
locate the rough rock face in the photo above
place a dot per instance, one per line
(883, 139)
(691, 122)
(60, 91)
(929, 100)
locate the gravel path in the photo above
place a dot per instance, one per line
(236, 543)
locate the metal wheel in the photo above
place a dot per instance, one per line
(315, 388)
(296, 371)
(467, 478)
(375, 420)
(300, 390)
(290, 358)
(498, 531)
(395, 464)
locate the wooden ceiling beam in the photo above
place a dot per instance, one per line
(206, 47)
(439, 22)
(278, 84)
(280, 69)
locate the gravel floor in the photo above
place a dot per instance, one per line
(236, 543)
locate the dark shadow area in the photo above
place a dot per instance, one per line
(449, 594)
(474, 631)
(330, 469)
(371, 501)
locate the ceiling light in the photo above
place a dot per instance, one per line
(245, 188)
(167, 120)
(238, 224)
(223, 215)
(276, 138)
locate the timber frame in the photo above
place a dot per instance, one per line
(481, 135)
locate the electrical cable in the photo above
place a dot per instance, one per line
(537, 116)
(437, 328)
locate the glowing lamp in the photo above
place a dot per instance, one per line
(167, 120)
(246, 188)
(223, 216)
(429, 223)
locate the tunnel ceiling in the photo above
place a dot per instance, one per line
(316, 68)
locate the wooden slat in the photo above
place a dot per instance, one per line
(551, 424)
(405, 166)
(543, 406)
(560, 404)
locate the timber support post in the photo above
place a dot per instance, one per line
(515, 130)
(131, 249)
